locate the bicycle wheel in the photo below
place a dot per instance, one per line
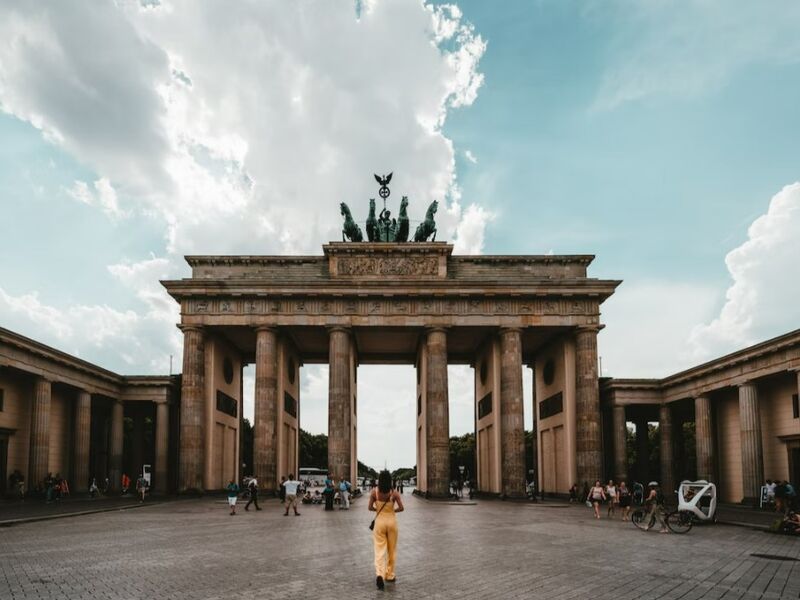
(679, 521)
(639, 518)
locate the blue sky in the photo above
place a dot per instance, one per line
(659, 136)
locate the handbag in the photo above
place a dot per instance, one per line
(372, 525)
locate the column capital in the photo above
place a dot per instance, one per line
(504, 330)
(589, 328)
(748, 383)
(436, 329)
(270, 328)
(343, 328)
(186, 327)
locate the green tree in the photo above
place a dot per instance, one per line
(313, 450)
(462, 453)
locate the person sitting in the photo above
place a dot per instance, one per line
(307, 498)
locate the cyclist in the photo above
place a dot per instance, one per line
(655, 503)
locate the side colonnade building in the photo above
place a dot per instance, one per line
(63, 415)
(741, 409)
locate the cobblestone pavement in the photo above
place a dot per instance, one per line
(195, 550)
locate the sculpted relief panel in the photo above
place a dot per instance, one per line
(425, 266)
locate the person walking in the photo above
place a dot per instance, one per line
(233, 495)
(344, 494)
(611, 496)
(291, 485)
(93, 489)
(573, 493)
(386, 502)
(329, 493)
(596, 496)
(625, 498)
(655, 504)
(141, 487)
(252, 487)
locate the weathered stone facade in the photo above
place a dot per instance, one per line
(403, 303)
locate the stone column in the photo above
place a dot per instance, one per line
(191, 458)
(587, 407)
(752, 452)
(642, 451)
(620, 444)
(665, 450)
(115, 450)
(437, 415)
(137, 449)
(511, 411)
(161, 483)
(265, 428)
(535, 429)
(704, 439)
(40, 432)
(339, 398)
(83, 432)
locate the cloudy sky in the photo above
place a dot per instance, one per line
(660, 136)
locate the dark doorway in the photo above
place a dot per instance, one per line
(794, 463)
(3, 464)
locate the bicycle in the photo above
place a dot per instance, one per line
(678, 521)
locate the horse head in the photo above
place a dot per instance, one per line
(434, 207)
(403, 203)
(344, 210)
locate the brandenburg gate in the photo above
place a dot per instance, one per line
(390, 303)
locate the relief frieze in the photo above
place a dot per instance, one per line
(422, 266)
(389, 306)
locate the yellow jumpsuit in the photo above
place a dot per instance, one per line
(384, 538)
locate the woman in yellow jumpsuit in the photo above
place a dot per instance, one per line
(386, 502)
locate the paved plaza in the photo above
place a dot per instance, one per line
(193, 549)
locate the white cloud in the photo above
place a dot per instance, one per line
(238, 130)
(100, 195)
(763, 295)
(661, 49)
(263, 131)
(120, 340)
(470, 157)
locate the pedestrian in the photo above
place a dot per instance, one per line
(344, 494)
(401, 486)
(93, 489)
(252, 487)
(611, 496)
(291, 485)
(655, 504)
(596, 496)
(771, 485)
(585, 492)
(126, 483)
(233, 495)
(329, 493)
(386, 502)
(282, 490)
(573, 493)
(141, 487)
(624, 496)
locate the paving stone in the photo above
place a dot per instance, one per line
(195, 550)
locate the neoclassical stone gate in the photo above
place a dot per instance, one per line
(395, 303)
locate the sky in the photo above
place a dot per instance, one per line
(659, 136)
